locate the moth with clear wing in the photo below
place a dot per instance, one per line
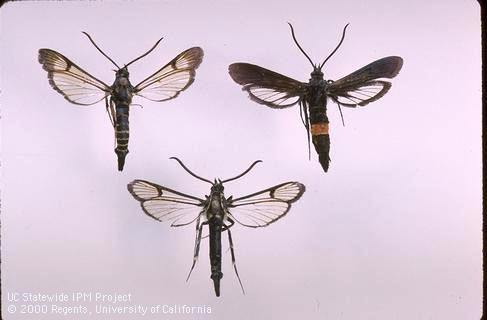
(216, 211)
(278, 91)
(81, 88)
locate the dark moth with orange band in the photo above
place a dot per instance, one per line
(278, 91)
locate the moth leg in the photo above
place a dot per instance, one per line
(341, 114)
(225, 227)
(112, 117)
(199, 228)
(204, 237)
(230, 241)
(110, 111)
(304, 111)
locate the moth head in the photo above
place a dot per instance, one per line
(317, 73)
(217, 186)
(123, 72)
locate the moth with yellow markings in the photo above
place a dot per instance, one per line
(81, 88)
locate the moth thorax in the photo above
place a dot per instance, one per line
(317, 80)
(123, 81)
(216, 201)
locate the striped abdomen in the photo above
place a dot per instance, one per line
(319, 134)
(122, 134)
(215, 227)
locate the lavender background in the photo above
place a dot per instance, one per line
(392, 231)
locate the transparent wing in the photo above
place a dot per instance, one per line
(361, 87)
(164, 204)
(267, 87)
(76, 85)
(362, 95)
(173, 78)
(265, 207)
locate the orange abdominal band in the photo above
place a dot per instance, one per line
(319, 129)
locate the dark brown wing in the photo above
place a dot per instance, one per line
(173, 78)
(361, 86)
(267, 87)
(76, 85)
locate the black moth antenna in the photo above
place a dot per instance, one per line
(206, 180)
(136, 59)
(296, 42)
(331, 54)
(243, 173)
(150, 50)
(103, 53)
(338, 46)
(189, 171)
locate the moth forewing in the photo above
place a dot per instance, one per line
(72, 82)
(177, 76)
(267, 87)
(262, 208)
